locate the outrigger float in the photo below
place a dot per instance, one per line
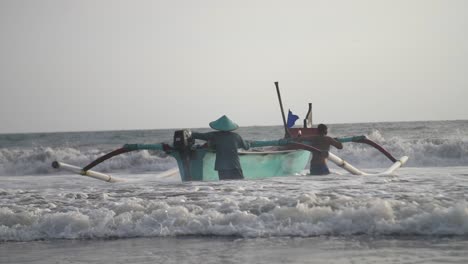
(272, 158)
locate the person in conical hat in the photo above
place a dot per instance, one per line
(226, 143)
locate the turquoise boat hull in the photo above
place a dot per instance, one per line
(199, 164)
(196, 163)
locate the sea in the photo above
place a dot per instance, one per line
(418, 214)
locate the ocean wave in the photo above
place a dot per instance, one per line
(136, 217)
(424, 152)
(37, 160)
(431, 150)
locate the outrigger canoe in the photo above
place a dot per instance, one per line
(287, 156)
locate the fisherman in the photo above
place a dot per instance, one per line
(226, 143)
(318, 164)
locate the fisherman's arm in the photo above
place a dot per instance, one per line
(242, 143)
(202, 136)
(336, 143)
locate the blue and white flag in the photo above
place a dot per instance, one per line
(291, 119)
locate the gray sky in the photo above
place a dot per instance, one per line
(112, 65)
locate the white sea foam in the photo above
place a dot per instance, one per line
(139, 218)
(295, 207)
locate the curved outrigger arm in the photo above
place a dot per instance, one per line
(365, 140)
(106, 157)
(127, 148)
(291, 143)
(355, 139)
(86, 170)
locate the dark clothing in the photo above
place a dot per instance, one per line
(318, 164)
(319, 169)
(233, 174)
(226, 144)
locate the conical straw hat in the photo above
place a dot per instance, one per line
(224, 124)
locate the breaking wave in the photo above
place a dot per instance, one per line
(423, 152)
(428, 150)
(37, 161)
(261, 217)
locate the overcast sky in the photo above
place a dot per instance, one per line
(118, 65)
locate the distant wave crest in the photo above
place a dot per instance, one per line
(427, 152)
(37, 161)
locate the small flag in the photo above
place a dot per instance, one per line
(291, 119)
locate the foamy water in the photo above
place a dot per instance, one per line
(432, 203)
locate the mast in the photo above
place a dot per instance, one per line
(287, 134)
